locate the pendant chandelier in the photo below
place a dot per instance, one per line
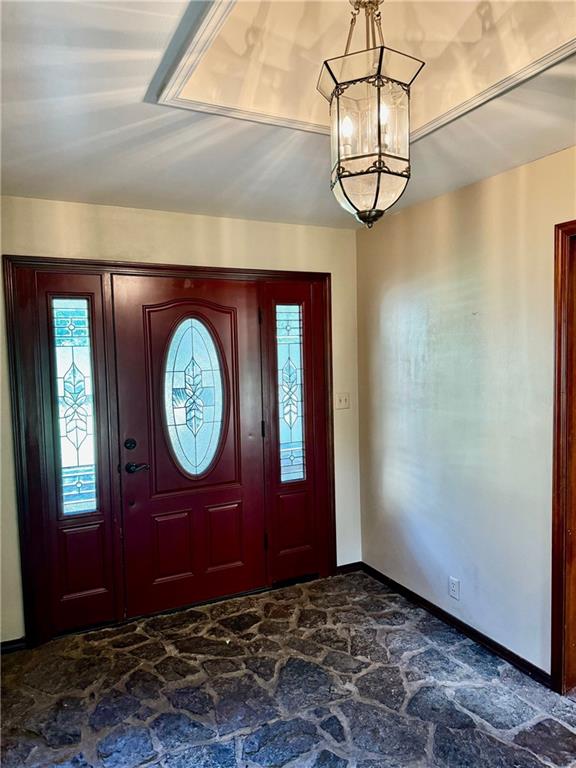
(369, 96)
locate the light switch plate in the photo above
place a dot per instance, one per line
(342, 401)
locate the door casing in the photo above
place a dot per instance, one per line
(563, 661)
(27, 412)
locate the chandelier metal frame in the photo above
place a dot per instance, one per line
(380, 76)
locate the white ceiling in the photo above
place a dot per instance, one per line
(75, 125)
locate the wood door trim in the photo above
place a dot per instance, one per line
(114, 453)
(329, 417)
(32, 558)
(563, 661)
(31, 547)
(154, 268)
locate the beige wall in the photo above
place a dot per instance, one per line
(455, 304)
(455, 300)
(50, 228)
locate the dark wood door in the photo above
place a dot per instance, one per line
(298, 450)
(173, 435)
(60, 396)
(191, 453)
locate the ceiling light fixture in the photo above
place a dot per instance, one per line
(369, 96)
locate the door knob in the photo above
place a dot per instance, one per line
(131, 467)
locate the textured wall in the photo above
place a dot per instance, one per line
(456, 350)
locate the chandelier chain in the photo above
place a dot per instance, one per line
(373, 23)
(378, 19)
(355, 13)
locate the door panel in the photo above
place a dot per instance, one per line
(225, 536)
(293, 523)
(174, 537)
(297, 402)
(77, 486)
(82, 559)
(188, 535)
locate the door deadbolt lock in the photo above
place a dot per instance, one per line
(130, 443)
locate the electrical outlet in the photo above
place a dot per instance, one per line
(454, 588)
(342, 401)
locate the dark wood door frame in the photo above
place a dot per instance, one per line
(563, 662)
(22, 350)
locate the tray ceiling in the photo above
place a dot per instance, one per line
(80, 123)
(260, 60)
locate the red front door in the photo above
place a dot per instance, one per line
(173, 435)
(190, 414)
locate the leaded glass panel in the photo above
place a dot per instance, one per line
(75, 403)
(193, 396)
(290, 392)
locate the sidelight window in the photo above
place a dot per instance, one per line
(75, 405)
(290, 391)
(193, 396)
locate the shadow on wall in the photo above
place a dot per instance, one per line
(456, 348)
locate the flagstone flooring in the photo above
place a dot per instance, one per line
(337, 673)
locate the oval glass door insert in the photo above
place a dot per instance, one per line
(193, 396)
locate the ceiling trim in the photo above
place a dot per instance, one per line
(498, 89)
(242, 114)
(186, 63)
(203, 37)
(211, 24)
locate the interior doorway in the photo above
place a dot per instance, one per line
(563, 666)
(174, 435)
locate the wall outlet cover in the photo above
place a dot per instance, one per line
(454, 588)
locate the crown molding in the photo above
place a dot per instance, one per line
(498, 89)
(210, 26)
(202, 38)
(243, 114)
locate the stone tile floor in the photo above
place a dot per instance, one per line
(338, 673)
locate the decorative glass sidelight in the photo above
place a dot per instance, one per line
(75, 402)
(290, 392)
(193, 396)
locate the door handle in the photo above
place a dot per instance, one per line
(131, 467)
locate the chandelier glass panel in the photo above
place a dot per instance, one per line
(369, 96)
